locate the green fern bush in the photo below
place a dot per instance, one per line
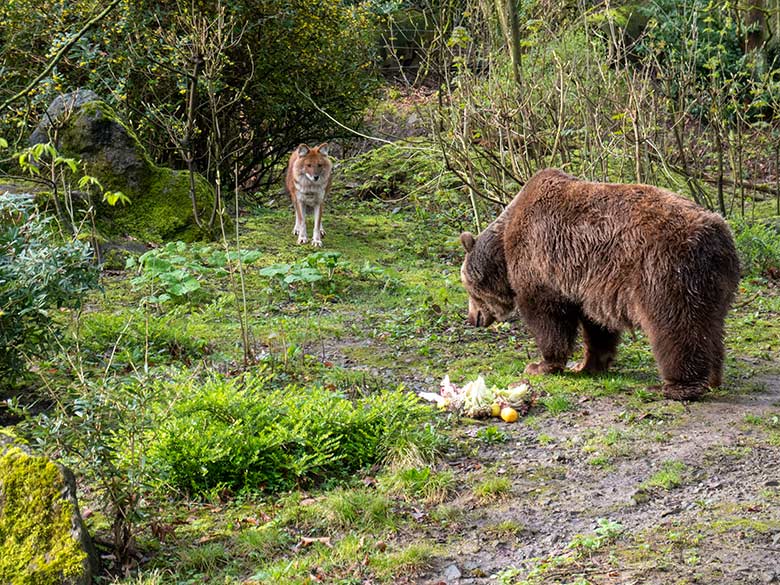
(239, 434)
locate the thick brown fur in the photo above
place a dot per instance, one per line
(308, 182)
(569, 254)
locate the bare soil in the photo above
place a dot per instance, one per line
(721, 526)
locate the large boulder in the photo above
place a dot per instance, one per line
(160, 206)
(42, 536)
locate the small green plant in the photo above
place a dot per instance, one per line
(419, 483)
(492, 435)
(545, 439)
(607, 531)
(320, 273)
(44, 162)
(509, 575)
(668, 477)
(493, 488)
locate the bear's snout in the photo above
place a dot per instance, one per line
(479, 318)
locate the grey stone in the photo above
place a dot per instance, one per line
(62, 106)
(160, 208)
(451, 573)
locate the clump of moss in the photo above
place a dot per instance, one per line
(36, 532)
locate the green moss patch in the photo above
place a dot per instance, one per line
(35, 523)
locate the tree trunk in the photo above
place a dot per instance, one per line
(756, 33)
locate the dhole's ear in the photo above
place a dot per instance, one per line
(323, 148)
(303, 149)
(468, 241)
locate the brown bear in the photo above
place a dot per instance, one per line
(607, 257)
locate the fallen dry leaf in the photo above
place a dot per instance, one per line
(308, 541)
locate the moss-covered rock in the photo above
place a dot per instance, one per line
(160, 205)
(42, 537)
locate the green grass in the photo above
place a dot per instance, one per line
(670, 476)
(419, 484)
(358, 510)
(492, 488)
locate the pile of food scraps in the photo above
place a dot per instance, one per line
(476, 400)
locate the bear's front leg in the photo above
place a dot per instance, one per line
(545, 367)
(600, 347)
(554, 326)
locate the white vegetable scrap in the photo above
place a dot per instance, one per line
(475, 399)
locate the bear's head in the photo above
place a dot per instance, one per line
(485, 279)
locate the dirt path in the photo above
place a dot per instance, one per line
(722, 525)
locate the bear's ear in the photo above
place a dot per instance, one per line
(303, 149)
(468, 241)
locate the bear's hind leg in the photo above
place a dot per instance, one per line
(600, 347)
(555, 331)
(684, 360)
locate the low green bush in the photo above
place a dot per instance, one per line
(758, 246)
(241, 434)
(39, 272)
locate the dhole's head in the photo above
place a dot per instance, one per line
(313, 163)
(484, 277)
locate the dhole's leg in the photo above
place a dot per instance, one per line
(297, 210)
(300, 223)
(316, 237)
(600, 347)
(555, 331)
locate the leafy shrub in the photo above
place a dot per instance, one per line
(321, 274)
(758, 246)
(701, 48)
(175, 271)
(102, 428)
(403, 169)
(671, 25)
(38, 273)
(239, 434)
